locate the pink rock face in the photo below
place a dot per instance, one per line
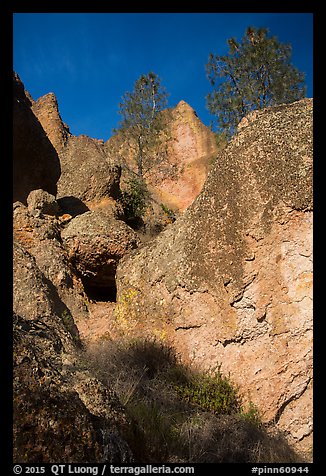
(270, 353)
(185, 153)
(230, 282)
(191, 149)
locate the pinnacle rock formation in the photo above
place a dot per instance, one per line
(36, 163)
(184, 155)
(230, 282)
(87, 179)
(191, 149)
(91, 169)
(61, 411)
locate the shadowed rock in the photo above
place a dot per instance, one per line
(61, 413)
(35, 161)
(95, 244)
(39, 201)
(86, 173)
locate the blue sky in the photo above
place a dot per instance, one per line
(89, 60)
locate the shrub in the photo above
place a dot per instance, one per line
(134, 198)
(210, 393)
(169, 213)
(252, 415)
(182, 415)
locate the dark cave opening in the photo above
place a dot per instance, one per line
(101, 293)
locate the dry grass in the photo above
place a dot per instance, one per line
(182, 415)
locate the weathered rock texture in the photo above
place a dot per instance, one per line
(86, 173)
(95, 244)
(35, 161)
(88, 179)
(40, 202)
(47, 111)
(230, 282)
(40, 235)
(91, 169)
(192, 147)
(61, 413)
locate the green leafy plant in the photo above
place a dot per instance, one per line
(134, 198)
(252, 415)
(210, 393)
(71, 327)
(169, 213)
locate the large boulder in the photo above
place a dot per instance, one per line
(41, 202)
(86, 173)
(230, 282)
(36, 163)
(95, 244)
(35, 298)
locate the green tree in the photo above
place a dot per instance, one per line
(141, 122)
(256, 73)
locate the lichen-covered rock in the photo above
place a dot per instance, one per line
(55, 420)
(41, 237)
(42, 202)
(61, 413)
(56, 401)
(86, 173)
(87, 178)
(230, 282)
(36, 299)
(35, 161)
(95, 244)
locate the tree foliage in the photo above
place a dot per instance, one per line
(141, 122)
(134, 198)
(256, 73)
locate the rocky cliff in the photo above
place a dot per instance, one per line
(88, 179)
(61, 412)
(91, 169)
(230, 283)
(191, 149)
(36, 163)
